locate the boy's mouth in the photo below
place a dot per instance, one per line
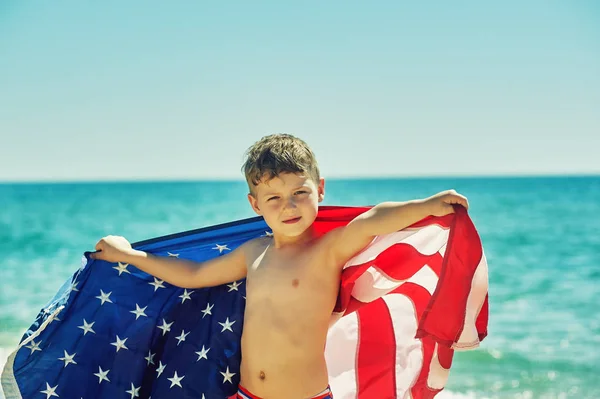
(290, 221)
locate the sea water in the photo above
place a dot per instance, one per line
(541, 236)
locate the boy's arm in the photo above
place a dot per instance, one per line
(179, 272)
(389, 217)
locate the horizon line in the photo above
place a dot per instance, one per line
(147, 180)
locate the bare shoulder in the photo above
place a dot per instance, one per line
(333, 234)
(254, 247)
(329, 242)
(258, 242)
(342, 245)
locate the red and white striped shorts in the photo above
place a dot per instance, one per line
(243, 393)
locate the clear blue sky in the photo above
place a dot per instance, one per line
(148, 89)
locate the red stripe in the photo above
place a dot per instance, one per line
(445, 356)
(482, 319)
(435, 261)
(326, 395)
(420, 390)
(418, 295)
(462, 257)
(376, 358)
(399, 262)
(444, 221)
(341, 215)
(245, 392)
(349, 277)
(331, 217)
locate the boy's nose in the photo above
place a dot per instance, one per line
(290, 203)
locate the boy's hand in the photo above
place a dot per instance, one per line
(112, 249)
(441, 203)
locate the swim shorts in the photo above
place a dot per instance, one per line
(243, 393)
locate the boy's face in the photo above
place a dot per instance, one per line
(289, 202)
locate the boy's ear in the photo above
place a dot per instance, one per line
(321, 189)
(254, 204)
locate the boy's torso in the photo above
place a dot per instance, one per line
(290, 296)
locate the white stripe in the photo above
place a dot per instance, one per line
(340, 354)
(426, 278)
(323, 392)
(409, 350)
(438, 375)
(374, 284)
(442, 250)
(469, 338)
(9, 382)
(243, 395)
(427, 240)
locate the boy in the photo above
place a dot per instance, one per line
(292, 276)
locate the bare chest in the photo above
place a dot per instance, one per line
(301, 280)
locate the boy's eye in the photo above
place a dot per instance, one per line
(301, 192)
(272, 198)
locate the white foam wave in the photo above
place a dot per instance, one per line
(445, 394)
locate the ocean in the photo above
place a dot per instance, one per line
(541, 236)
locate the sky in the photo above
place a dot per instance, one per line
(149, 90)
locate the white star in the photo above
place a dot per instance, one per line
(34, 346)
(49, 391)
(104, 297)
(176, 380)
(150, 358)
(160, 369)
(87, 327)
(120, 343)
(268, 234)
(157, 284)
(234, 286)
(227, 376)
(207, 310)
(202, 354)
(181, 337)
(74, 286)
(227, 325)
(134, 392)
(165, 327)
(173, 255)
(139, 311)
(122, 268)
(185, 295)
(221, 248)
(101, 374)
(68, 358)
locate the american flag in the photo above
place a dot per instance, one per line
(405, 304)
